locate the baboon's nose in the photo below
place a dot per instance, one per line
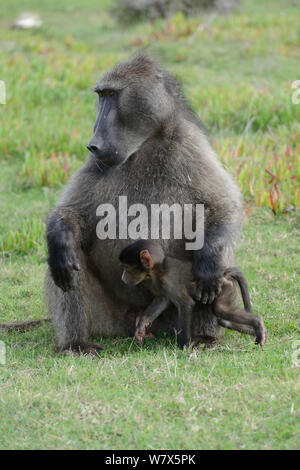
(104, 153)
(93, 149)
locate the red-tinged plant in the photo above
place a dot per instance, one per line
(274, 195)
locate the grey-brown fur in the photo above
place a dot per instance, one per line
(160, 154)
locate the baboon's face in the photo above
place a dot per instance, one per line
(128, 115)
(132, 276)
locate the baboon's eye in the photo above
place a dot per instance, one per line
(106, 92)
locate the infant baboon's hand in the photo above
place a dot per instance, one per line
(140, 331)
(139, 336)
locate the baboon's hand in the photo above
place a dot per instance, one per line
(208, 288)
(208, 273)
(140, 331)
(139, 336)
(63, 274)
(62, 268)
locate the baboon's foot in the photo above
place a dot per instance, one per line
(261, 334)
(207, 341)
(150, 335)
(93, 349)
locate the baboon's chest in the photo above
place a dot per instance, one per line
(129, 207)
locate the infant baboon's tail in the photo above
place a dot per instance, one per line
(236, 274)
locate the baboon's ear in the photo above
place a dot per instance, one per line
(146, 260)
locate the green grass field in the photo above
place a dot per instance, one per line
(237, 72)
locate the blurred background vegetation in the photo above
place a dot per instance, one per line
(237, 69)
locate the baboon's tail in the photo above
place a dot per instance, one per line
(22, 325)
(236, 274)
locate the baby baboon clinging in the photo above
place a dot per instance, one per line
(149, 146)
(169, 280)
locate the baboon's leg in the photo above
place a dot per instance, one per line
(248, 330)
(239, 316)
(185, 310)
(69, 315)
(85, 311)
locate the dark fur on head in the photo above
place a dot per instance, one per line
(143, 69)
(130, 255)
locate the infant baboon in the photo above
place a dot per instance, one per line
(169, 280)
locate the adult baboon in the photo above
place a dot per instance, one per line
(149, 146)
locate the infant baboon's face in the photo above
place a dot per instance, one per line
(132, 276)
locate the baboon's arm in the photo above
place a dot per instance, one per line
(222, 221)
(156, 308)
(62, 244)
(69, 227)
(209, 262)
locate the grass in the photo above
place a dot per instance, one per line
(237, 72)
